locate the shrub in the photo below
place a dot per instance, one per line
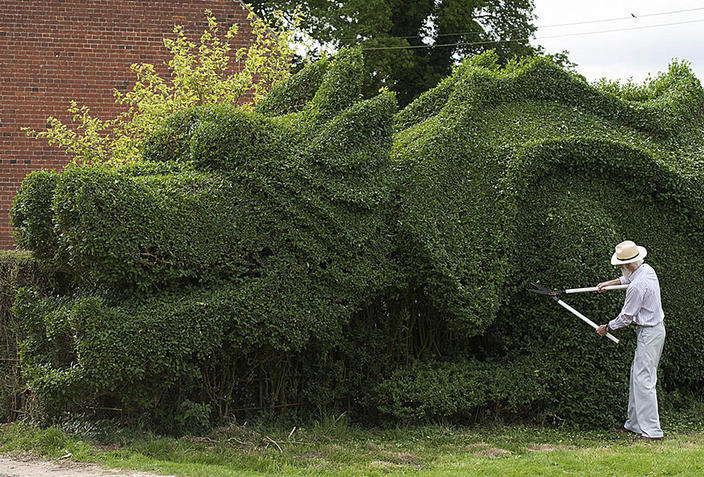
(305, 255)
(296, 92)
(459, 389)
(528, 174)
(200, 74)
(31, 213)
(17, 269)
(255, 241)
(128, 232)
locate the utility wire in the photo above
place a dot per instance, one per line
(489, 42)
(644, 27)
(630, 17)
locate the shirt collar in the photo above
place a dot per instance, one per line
(635, 274)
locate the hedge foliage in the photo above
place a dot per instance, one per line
(250, 239)
(327, 252)
(541, 175)
(17, 270)
(460, 389)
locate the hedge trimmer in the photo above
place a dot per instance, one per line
(555, 293)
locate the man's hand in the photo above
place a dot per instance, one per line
(600, 286)
(601, 330)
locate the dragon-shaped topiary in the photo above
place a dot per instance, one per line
(326, 251)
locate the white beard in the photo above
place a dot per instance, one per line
(626, 272)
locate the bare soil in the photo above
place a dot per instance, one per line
(32, 467)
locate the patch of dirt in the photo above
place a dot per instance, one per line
(372, 446)
(492, 452)
(30, 467)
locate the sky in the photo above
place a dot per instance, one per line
(624, 54)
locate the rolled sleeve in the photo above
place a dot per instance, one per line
(623, 280)
(631, 307)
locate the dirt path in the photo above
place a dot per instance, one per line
(31, 467)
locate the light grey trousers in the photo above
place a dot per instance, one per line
(643, 415)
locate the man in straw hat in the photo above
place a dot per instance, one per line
(643, 308)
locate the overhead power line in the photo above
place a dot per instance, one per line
(586, 22)
(644, 27)
(514, 40)
(630, 17)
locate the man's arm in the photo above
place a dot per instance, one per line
(631, 306)
(610, 283)
(603, 329)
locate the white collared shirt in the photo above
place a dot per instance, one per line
(642, 306)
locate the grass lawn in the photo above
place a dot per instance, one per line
(332, 447)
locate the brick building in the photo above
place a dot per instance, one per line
(54, 51)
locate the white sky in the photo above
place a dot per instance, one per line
(625, 54)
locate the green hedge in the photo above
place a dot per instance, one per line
(524, 174)
(296, 93)
(31, 214)
(17, 269)
(328, 252)
(256, 240)
(148, 232)
(205, 223)
(460, 389)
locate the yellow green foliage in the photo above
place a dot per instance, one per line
(201, 74)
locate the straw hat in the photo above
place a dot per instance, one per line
(628, 252)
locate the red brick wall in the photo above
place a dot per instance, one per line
(53, 51)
